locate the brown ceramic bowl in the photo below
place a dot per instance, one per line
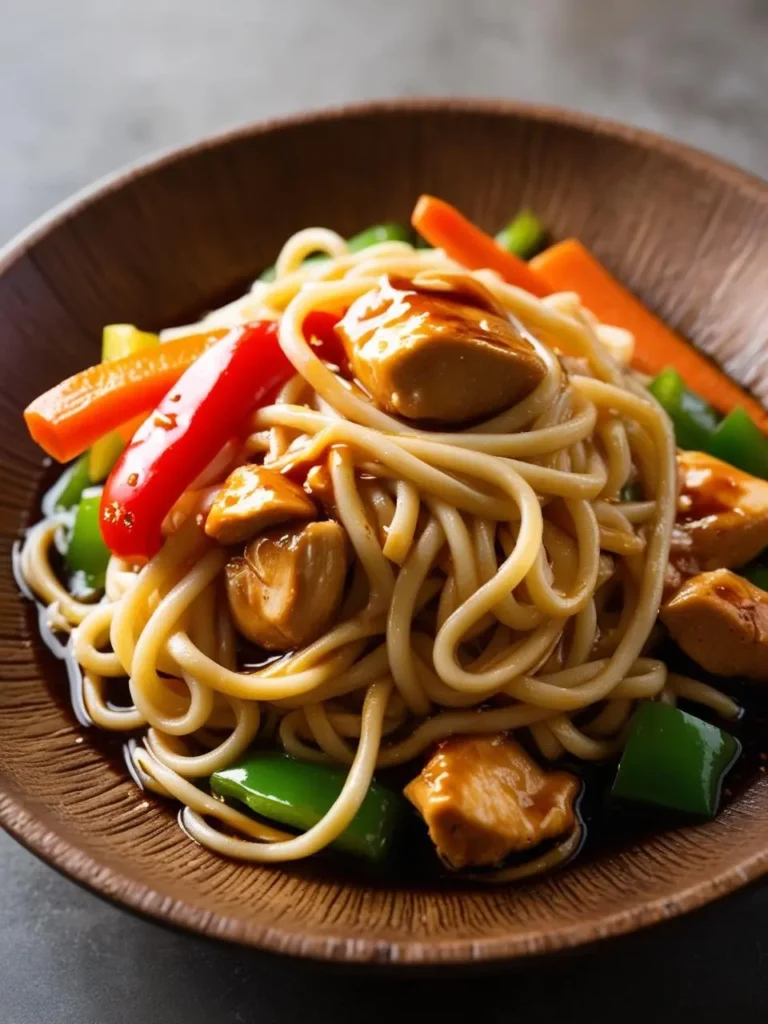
(153, 245)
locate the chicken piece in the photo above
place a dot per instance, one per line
(252, 499)
(722, 510)
(721, 621)
(443, 355)
(483, 798)
(285, 590)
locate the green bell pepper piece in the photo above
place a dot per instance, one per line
(756, 572)
(739, 441)
(299, 793)
(631, 492)
(389, 232)
(674, 761)
(73, 482)
(524, 236)
(87, 554)
(694, 419)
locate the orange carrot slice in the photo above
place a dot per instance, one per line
(66, 420)
(445, 228)
(569, 266)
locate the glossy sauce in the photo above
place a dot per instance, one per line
(705, 493)
(415, 866)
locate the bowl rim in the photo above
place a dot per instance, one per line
(64, 855)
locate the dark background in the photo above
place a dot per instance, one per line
(86, 85)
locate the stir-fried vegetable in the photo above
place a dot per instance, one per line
(388, 232)
(298, 794)
(66, 420)
(524, 236)
(756, 572)
(694, 419)
(72, 483)
(631, 492)
(87, 554)
(445, 228)
(190, 425)
(674, 760)
(117, 342)
(737, 440)
(698, 427)
(569, 266)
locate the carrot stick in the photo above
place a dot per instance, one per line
(569, 266)
(445, 228)
(66, 420)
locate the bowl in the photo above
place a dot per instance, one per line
(157, 244)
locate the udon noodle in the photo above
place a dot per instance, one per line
(496, 583)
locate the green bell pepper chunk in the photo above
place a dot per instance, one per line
(299, 793)
(756, 572)
(524, 236)
(739, 441)
(389, 232)
(87, 554)
(674, 761)
(694, 419)
(631, 492)
(73, 482)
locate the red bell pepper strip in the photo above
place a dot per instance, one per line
(190, 425)
(320, 331)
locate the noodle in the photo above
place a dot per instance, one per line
(484, 561)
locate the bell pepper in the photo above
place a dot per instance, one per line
(756, 571)
(87, 554)
(694, 419)
(72, 483)
(390, 232)
(675, 761)
(524, 236)
(299, 793)
(117, 342)
(631, 492)
(739, 441)
(757, 574)
(203, 410)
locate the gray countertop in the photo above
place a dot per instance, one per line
(86, 85)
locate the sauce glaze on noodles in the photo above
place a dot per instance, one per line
(472, 609)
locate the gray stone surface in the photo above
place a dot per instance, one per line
(86, 85)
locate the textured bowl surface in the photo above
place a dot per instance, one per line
(156, 245)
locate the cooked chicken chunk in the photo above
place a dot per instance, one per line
(721, 621)
(722, 511)
(437, 355)
(253, 499)
(483, 798)
(286, 588)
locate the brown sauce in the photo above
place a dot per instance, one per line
(414, 865)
